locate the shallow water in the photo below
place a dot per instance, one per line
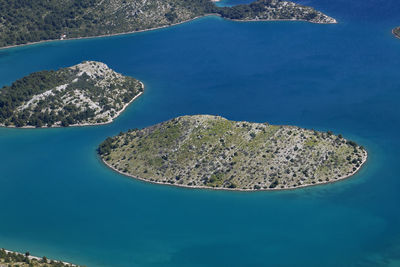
(60, 201)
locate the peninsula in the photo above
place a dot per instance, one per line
(206, 151)
(15, 259)
(89, 93)
(23, 22)
(396, 32)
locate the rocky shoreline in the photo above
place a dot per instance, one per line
(13, 258)
(239, 189)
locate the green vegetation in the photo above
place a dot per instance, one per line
(26, 21)
(396, 32)
(13, 259)
(88, 93)
(212, 152)
(274, 10)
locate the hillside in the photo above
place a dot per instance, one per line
(27, 21)
(85, 94)
(212, 152)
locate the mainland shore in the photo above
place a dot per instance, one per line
(157, 28)
(105, 35)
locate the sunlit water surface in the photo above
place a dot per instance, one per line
(59, 200)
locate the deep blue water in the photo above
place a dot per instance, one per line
(58, 199)
(232, 2)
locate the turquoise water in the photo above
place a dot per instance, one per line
(58, 199)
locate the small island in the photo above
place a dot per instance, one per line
(212, 152)
(15, 259)
(89, 93)
(396, 32)
(24, 22)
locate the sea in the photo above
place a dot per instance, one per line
(59, 200)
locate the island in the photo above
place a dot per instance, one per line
(24, 22)
(89, 93)
(16, 259)
(205, 151)
(396, 32)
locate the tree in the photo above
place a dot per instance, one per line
(274, 184)
(44, 259)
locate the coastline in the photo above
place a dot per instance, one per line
(39, 258)
(282, 20)
(104, 35)
(157, 28)
(364, 160)
(83, 124)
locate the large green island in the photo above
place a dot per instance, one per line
(23, 22)
(89, 93)
(206, 151)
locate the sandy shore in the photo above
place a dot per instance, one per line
(83, 124)
(152, 29)
(364, 159)
(37, 258)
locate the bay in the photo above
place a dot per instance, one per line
(59, 200)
